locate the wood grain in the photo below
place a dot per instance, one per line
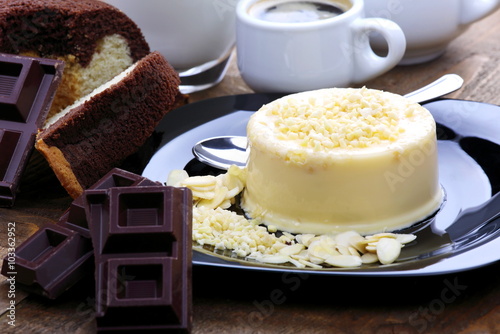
(231, 301)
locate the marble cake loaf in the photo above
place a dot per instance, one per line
(88, 138)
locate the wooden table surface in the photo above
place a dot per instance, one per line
(234, 301)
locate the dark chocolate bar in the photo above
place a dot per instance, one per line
(142, 249)
(51, 260)
(58, 255)
(75, 219)
(27, 88)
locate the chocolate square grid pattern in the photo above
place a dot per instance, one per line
(27, 88)
(58, 255)
(142, 249)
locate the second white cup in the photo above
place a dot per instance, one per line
(277, 56)
(429, 25)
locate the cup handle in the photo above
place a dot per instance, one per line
(367, 64)
(473, 11)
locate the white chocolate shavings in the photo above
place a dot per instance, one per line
(223, 229)
(339, 118)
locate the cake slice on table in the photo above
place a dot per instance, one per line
(87, 139)
(95, 40)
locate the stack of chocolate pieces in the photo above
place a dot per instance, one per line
(132, 233)
(142, 256)
(136, 233)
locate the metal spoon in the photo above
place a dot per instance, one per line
(223, 151)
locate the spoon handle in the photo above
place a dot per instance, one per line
(446, 84)
(472, 219)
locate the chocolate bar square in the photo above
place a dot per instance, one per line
(27, 88)
(130, 220)
(75, 217)
(51, 260)
(142, 249)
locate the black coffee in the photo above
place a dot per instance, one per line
(297, 11)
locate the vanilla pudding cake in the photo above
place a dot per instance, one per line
(342, 159)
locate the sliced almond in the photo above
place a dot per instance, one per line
(292, 249)
(369, 258)
(304, 239)
(347, 238)
(200, 181)
(388, 250)
(273, 259)
(176, 176)
(405, 238)
(344, 261)
(321, 249)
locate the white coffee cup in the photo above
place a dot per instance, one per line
(429, 25)
(333, 52)
(193, 35)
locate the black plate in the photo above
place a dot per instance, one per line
(469, 164)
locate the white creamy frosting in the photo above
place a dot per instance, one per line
(339, 159)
